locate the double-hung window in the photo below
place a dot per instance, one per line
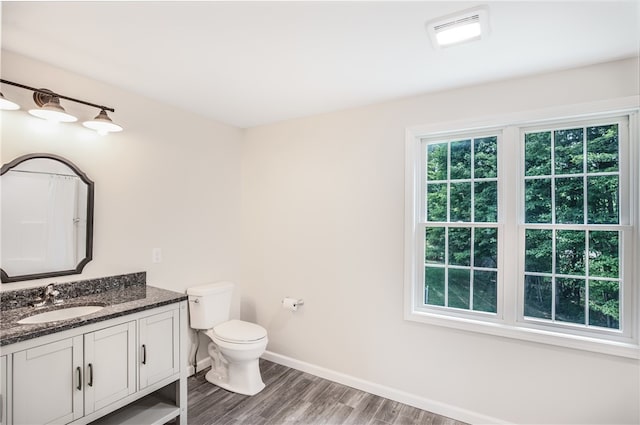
(460, 222)
(527, 229)
(576, 224)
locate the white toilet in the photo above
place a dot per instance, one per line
(235, 345)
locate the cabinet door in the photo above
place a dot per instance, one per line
(109, 365)
(47, 383)
(159, 342)
(3, 390)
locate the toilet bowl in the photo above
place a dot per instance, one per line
(235, 346)
(240, 345)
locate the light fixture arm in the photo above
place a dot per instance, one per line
(50, 93)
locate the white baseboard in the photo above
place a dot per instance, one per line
(384, 391)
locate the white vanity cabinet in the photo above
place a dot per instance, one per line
(109, 366)
(73, 377)
(101, 372)
(47, 383)
(159, 352)
(3, 390)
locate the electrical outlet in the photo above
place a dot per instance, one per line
(156, 255)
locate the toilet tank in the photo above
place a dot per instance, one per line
(210, 304)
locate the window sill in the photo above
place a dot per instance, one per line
(628, 349)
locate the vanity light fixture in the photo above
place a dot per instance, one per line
(461, 27)
(102, 124)
(49, 108)
(6, 104)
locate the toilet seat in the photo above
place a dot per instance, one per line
(239, 332)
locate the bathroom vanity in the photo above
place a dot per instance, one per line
(123, 364)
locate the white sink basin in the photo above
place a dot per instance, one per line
(63, 313)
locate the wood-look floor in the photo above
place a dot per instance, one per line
(294, 397)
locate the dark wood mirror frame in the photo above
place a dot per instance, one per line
(89, 236)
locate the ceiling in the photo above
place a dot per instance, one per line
(253, 63)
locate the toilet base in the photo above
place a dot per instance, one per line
(235, 366)
(242, 378)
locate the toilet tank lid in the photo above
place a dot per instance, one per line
(241, 331)
(210, 288)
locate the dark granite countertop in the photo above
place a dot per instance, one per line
(118, 300)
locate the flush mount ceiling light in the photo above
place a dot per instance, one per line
(461, 27)
(49, 108)
(6, 104)
(102, 124)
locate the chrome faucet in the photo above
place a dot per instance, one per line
(49, 297)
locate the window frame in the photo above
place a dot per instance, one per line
(420, 247)
(509, 320)
(624, 227)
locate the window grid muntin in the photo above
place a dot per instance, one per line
(448, 181)
(585, 174)
(509, 321)
(587, 278)
(585, 226)
(447, 265)
(448, 224)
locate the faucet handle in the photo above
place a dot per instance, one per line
(49, 296)
(53, 293)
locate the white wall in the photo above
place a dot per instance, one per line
(323, 220)
(171, 180)
(319, 207)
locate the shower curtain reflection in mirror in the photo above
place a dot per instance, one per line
(45, 228)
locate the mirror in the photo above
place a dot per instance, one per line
(46, 218)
